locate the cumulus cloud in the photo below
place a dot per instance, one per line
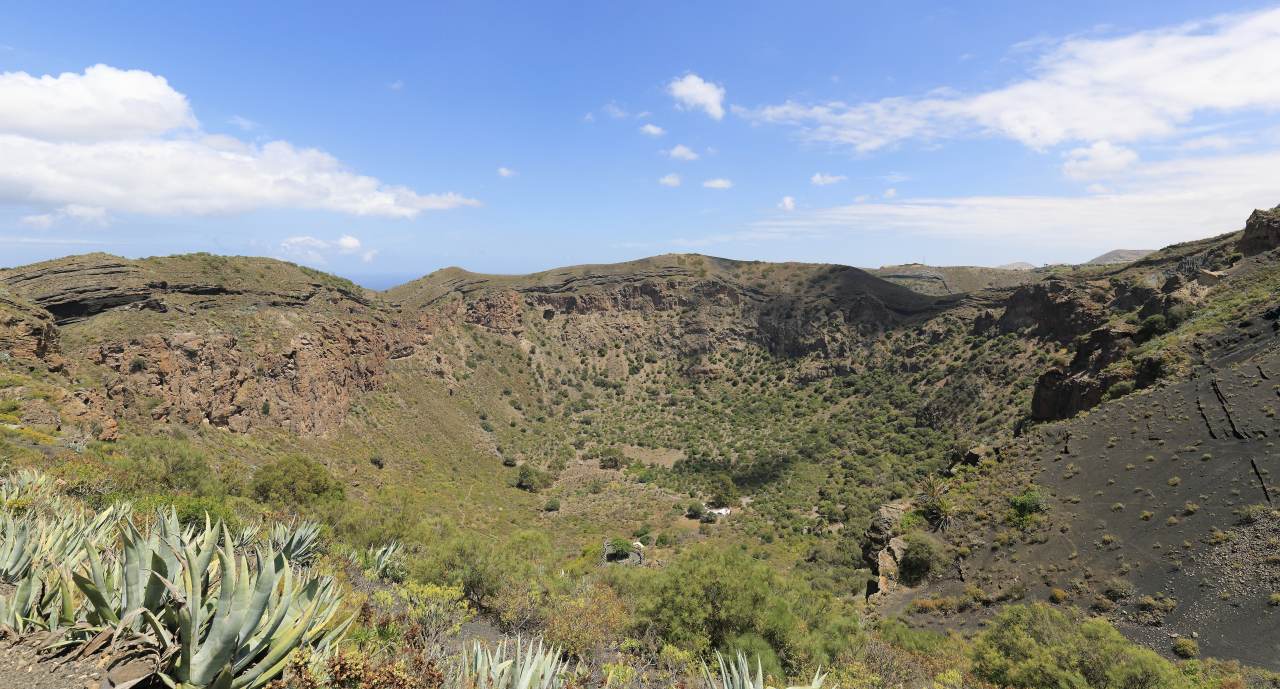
(1122, 89)
(788, 203)
(315, 250)
(1102, 159)
(718, 183)
(693, 93)
(103, 103)
(651, 129)
(671, 180)
(681, 152)
(126, 141)
(507, 172)
(821, 179)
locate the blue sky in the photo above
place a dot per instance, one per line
(384, 141)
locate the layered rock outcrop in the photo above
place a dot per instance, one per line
(1261, 232)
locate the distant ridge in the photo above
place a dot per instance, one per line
(1020, 265)
(1119, 256)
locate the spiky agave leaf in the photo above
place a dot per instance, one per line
(529, 666)
(737, 674)
(298, 542)
(238, 630)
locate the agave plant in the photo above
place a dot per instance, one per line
(528, 667)
(299, 543)
(247, 535)
(25, 485)
(737, 675)
(241, 635)
(384, 562)
(16, 548)
(37, 603)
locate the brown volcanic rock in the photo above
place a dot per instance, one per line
(26, 331)
(1062, 393)
(1055, 309)
(233, 342)
(305, 386)
(1261, 232)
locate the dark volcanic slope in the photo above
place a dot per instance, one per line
(1206, 441)
(1157, 510)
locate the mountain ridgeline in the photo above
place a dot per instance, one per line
(921, 444)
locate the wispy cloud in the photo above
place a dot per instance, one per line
(671, 180)
(244, 123)
(1158, 204)
(507, 172)
(1145, 85)
(651, 129)
(822, 179)
(718, 183)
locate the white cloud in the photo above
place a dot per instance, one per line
(1156, 205)
(396, 85)
(651, 129)
(681, 152)
(243, 123)
(507, 172)
(1213, 142)
(126, 141)
(85, 215)
(788, 203)
(315, 250)
(890, 193)
(1124, 89)
(692, 92)
(821, 179)
(718, 183)
(671, 180)
(103, 103)
(1102, 159)
(612, 110)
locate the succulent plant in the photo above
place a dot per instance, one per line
(384, 562)
(529, 667)
(298, 542)
(737, 675)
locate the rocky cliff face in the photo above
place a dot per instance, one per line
(1054, 309)
(26, 331)
(236, 343)
(304, 386)
(1261, 232)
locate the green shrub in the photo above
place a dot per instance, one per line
(919, 558)
(1037, 646)
(295, 480)
(532, 479)
(1186, 647)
